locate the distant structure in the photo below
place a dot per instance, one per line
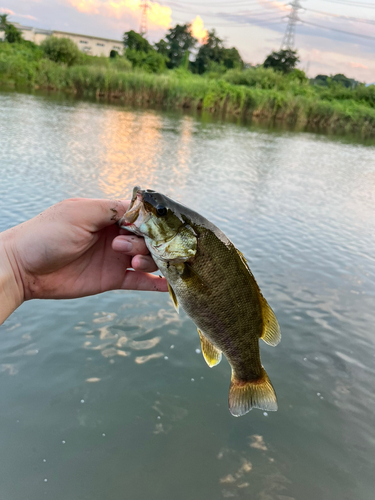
(144, 8)
(289, 37)
(91, 45)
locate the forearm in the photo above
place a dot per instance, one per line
(11, 289)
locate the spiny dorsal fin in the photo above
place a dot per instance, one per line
(247, 394)
(271, 329)
(174, 298)
(211, 354)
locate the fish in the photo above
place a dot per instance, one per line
(211, 280)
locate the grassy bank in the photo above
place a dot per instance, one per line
(257, 92)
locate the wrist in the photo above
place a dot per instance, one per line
(11, 286)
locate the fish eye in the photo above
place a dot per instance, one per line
(161, 210)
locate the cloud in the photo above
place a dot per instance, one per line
(157, 15)
(198, 30)
(357, 65)
(4, 10)
(7, 11)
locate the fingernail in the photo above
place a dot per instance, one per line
(124, 246)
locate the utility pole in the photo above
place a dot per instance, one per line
(288, 40)
(143, 27)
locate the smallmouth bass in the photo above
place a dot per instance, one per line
(211, 280)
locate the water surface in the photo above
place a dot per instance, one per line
(109, 396)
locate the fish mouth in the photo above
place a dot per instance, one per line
(136, 213)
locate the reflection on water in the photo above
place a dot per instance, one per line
(132, 146)
(111, 393)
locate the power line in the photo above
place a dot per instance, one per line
(339, 31)
(354, 4)
(348, 18)
(271, 21)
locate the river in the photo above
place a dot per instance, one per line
(109, 397)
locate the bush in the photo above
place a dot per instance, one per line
(61, 50)
(121, 64)
(151, 61)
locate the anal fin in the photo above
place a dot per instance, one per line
(247, 394)
(211, 354)
(271, 329)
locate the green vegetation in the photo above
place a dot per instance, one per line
(12, 34)
(283, 60)
(177, 45)
(61, 50)
(215, 81)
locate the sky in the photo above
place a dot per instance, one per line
(324, 34)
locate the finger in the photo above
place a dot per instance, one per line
(143, 281)
(130, 244)
(144, 263)
(93, 214)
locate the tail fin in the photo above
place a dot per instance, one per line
(245, 395)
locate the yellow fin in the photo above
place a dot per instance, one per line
(174, 298)
(271, 329)
(211, 354)
(245, 395)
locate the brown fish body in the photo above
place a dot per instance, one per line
(212, 282)
(218, 275)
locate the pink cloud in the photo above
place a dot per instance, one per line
(7, 11)
(4, 10)
(357, 65)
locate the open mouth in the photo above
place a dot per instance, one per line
(134, 211)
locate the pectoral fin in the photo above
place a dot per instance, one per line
(211, 354)
(271, 329)
(173, 297)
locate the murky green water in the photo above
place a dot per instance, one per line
(107, 397)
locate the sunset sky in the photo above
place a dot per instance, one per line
(255, 27)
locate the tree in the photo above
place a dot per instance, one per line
(284, 60)
(321, 80)
(12, 34)
(178, 41)
(210, 51)
(61, 50)
(137, 42)
(232, 58)
(213, 55)
(344, 80)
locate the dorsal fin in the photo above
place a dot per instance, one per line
(173, 297)
(271, 329)
(211, 354)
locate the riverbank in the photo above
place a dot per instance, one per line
(291, 100)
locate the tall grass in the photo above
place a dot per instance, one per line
(259, 93)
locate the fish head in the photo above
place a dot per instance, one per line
(161, 222)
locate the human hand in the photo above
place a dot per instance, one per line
(74, 249)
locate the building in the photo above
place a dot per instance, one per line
(91, 45)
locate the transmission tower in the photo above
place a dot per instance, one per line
(288, 40)
(144, 8)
